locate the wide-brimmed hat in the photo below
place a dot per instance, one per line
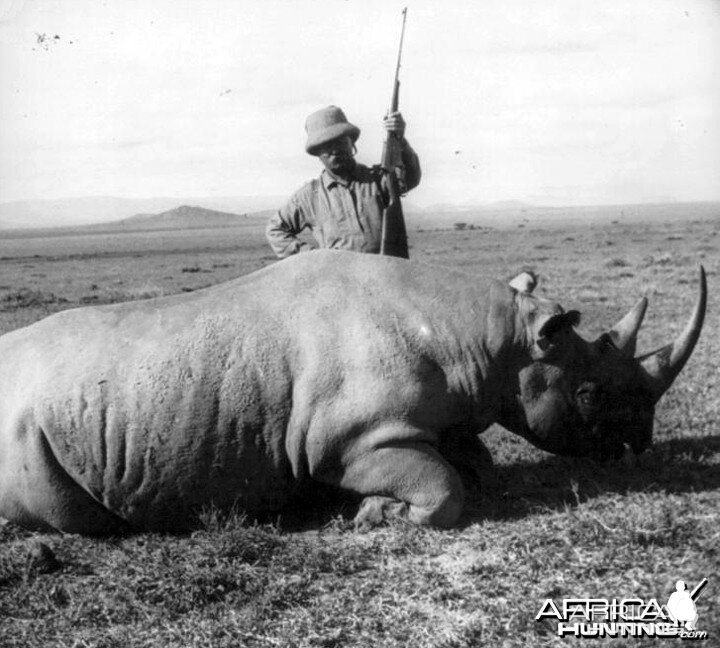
(325, 125)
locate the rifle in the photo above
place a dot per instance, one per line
(393, 241)
(698, 589)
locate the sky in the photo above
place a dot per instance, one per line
(559, 102)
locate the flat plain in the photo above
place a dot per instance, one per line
(548, 527)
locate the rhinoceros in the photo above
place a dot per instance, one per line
(347, 369)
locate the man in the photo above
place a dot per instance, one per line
(682, 607)
(343, 207)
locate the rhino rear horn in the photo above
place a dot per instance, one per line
(624, 333)
(662, 366)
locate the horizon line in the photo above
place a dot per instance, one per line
(458, 205)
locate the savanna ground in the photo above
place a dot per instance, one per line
(548, 527)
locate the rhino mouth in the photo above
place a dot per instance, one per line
(607, 440)
(602, 448)
(611, 440)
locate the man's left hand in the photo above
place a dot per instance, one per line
(394, 123)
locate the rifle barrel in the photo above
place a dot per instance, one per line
(698, 589)
(396, 83)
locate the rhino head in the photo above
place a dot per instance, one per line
(591, 398)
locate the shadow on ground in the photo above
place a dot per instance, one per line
(674, 466)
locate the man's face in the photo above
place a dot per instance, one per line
(337, 155)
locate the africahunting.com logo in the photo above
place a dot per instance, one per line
(628, 617)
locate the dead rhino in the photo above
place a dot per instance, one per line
(343, 368)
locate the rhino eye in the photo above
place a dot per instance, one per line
(587, 395)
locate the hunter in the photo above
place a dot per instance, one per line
(343, 208)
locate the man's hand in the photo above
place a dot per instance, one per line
(394, 123)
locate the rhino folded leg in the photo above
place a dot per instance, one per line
(411, 481)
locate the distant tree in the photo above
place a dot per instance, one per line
(460, 226)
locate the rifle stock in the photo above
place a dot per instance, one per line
(393, 240)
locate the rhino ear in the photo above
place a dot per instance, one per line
(549, 329)
(525, 282)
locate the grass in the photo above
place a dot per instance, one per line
(546, 527)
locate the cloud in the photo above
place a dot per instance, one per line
(535, 94)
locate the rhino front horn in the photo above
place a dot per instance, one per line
(662, 366)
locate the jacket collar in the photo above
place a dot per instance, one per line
(329, 180)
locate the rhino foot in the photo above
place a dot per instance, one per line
(375, 510)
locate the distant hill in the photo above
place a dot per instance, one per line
(92, 210)
(183, 217)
